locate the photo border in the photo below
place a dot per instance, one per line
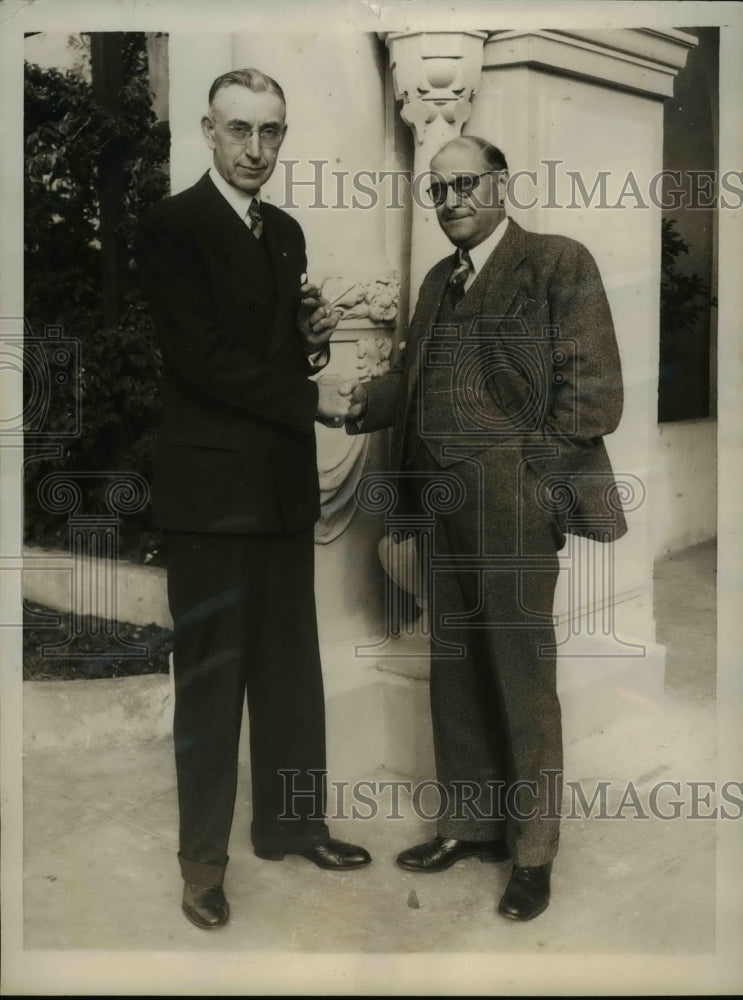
(221, 973)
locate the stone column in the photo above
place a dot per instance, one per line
(583, 110)
(194, 60)
(435, 75)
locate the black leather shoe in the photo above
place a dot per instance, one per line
(527, 893)
(442, 852)
(205, 905)
(333, 854)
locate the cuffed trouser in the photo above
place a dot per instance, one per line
(495, 710)
(243, 608)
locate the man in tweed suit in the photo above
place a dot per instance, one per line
(509, 380)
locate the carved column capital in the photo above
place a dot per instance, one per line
(435, 75)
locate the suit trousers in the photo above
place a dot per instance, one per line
(243, 608)
(495, 711)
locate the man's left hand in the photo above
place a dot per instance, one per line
(316, 319)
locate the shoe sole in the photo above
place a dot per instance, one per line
(486, 859)
(200, 924)
(514, 916)
(280, 855)
(269, 855)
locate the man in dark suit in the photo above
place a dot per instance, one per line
(509, 379)
(235, 487)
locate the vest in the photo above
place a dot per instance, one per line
(439, 413)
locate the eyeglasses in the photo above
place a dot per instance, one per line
(240, 134)
(462, 185)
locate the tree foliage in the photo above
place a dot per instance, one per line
(116, 381)
(684, 298)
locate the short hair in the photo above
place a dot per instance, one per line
(253, 79)
(492, 155)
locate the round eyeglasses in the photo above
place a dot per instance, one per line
(462, 185)
(269, 135)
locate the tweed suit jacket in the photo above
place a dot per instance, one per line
(531, 363)
(236, 447)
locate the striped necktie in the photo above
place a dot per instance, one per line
(255, 218)
(459, 276)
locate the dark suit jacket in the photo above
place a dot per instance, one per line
(538, 338)
(236, 448)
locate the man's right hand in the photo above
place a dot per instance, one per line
(334, 399)
(340, 400)
(358, 402)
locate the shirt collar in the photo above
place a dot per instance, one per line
(480, 253)
(239, 200)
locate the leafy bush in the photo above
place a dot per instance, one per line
(685, 304)
(684, 298)
(116, 383)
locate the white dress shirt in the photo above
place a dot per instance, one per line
(480, 253)
(239, 200)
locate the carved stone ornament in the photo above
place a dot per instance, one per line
(435, 74)
(373, 355)
(373, 300)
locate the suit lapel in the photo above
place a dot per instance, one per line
(287, 284)
(499, 283)
(232, 241)
(426, 313)
(494, 293)
(232, 237)
(279, 254)
(424, 318)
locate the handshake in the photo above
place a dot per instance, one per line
(340, 400)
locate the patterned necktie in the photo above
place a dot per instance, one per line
(459, 276)
(255, 219)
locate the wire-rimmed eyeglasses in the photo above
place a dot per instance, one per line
(240, 133)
